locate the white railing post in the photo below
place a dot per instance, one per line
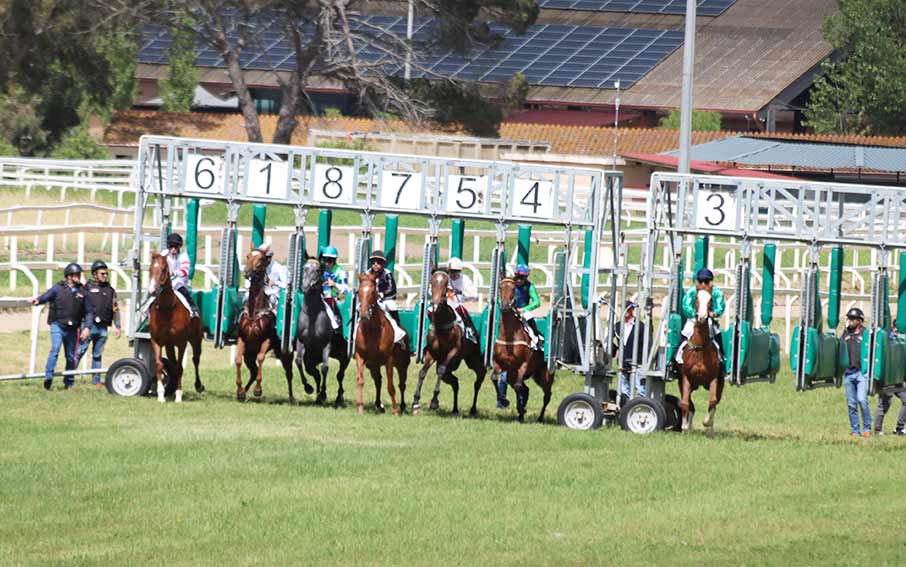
(13, 259)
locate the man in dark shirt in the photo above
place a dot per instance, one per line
(635, 335)
(102, 298)
(854, 381)
(67, 313)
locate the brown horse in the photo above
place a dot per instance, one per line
(258, 330)
(374, 348)
(172, 327)
(513, 353)
(447, 346)
(701, 366)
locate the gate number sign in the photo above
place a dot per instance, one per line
(716, 209)
(466, 193)
(266, 179)
(204, 174)
(533, 198)
(401, 189)
(333, 183)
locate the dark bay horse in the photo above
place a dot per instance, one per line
(447, 346)
(701, 366)
(513, 353)
(316, 340)
(258, 330)
(375, 348)
(172, 327)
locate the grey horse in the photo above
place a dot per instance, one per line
(315, 338)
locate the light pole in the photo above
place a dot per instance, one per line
(686, 103)
(407, 73)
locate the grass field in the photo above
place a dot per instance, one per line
(91, 479)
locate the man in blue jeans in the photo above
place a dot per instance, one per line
(854, 381)
(101, 296)
(68, 311)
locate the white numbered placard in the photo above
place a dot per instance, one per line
(333, 183)
(532, 198)
(401, 189)
(266, 179)
(716, 209)
(204, 174)
(467, 193)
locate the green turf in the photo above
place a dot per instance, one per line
(92, 479)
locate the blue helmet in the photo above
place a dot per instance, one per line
(522, 270)
(704, 275)
(329, 252)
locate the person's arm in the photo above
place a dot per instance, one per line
(46, 297)
(116, 315)
(183, 268)
(391, 285)
(341, 281)
(689, 304)
(534, 300)
(717, 302)
(469, 291)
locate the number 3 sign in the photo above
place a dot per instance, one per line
(716, 209)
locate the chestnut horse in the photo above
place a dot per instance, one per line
(513, 353)
(172, 326)
(701, 366)
(448, 347)
(374, 348)
(258, 330)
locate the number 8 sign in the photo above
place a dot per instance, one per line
(333, 183)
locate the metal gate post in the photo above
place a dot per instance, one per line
(228, 270)
(429, 264)
(296, 259)
(363, 251)
(498, 263)
(807, 320)
(741, 313)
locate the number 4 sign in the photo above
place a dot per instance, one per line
(533, 199)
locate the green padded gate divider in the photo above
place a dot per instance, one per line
(700, 254)
(586, 264)
(325, 218)
(901, 295)
(391, 228)
(259, 218)
(835, 287)
(457, 238)
(767, 287)
(523, 244)
(192, 234)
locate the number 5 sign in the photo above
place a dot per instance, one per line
(716, 209)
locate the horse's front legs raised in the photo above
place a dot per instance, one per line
(240, 357)
(416, 403)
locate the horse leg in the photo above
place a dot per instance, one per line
(344, 362)
(360, 383)
(522, 392)
(502, 402)
(391, 389)
(480, 371)
(715, 389)
(195, 341)
(287, 361)
(300, 364)
(416, 403)
(159, 371)
(262, 354)
(322, 387)
(170, 390)
(180, 353)
(545, 381)
(454, 382)
(240, 356)
(441, 374)
(376, 376)
(685, 401)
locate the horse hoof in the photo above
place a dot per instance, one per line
(199, 388)
(402, 408)
(416, 409)
(710, 434)
(258, 392)
(339, 403)
(521, 419)
(503, 403)
(321, 399)
(473, 412)
(240, 396)
(396, 412)
(360, 410)
(454, 412)
(379, 408)
(309, 389)
(434, 404)
(293, 402)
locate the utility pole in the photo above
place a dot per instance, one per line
(686, 104)
(410, 21)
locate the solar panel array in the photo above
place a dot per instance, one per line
(704, 7)
(547, 54)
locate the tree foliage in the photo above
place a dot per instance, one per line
(865, 92)
(77, 143)
(178, 91)
(702, 121)
(20, 123)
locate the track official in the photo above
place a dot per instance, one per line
(102, 298)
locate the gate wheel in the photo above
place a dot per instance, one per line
(580, 411)
(128, 377)
(642, 416)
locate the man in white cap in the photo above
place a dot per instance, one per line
(461, 289)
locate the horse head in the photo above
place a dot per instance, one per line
(702, 305)
(158, 274)
(507, 295)
(256, 263)
(439, 283)
(311, 276)
(368, 295)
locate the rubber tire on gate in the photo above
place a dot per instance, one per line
(590, 414)
(125, 368)
(673, 414)
(637, 407)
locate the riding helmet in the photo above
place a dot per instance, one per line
(174, 240)
(377, 255)
(329, 252)
(522, 270)
(704, 275)
(454, 264)
(98, 265)
(855, 313)
(72, 269)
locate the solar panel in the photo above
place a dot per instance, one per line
(547, 54)
(673, 7)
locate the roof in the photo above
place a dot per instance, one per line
(603, 118)
(705, 166)
(796, 154)
(744, 58)
(203, 98)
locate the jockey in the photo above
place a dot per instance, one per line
(336, 284)
(704, 280)
(178, 264)
(276, 277)
(527, 300)
(386, 288)
(460, 290)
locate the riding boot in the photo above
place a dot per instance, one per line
(336, 312)
(193, 309)
(534, 326)
(404, 342)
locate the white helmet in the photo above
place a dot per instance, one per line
(454, 264)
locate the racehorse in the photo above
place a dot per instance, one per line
(258, 330)
(172, 326)
(447, 346)
(316, 340)
(513, 353)
(701, 366)
(375, 347)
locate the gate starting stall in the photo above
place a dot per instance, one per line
(578, 201)
(826, 218)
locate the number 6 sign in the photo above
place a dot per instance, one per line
(204, 174)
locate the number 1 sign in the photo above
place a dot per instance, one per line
(266, 179)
